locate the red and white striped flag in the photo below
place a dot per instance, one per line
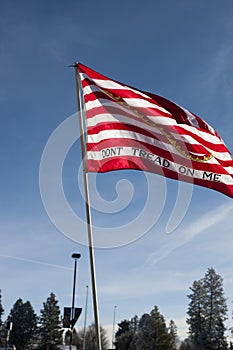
(131, 129)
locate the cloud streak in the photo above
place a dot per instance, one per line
(35, 262)
(186, 234)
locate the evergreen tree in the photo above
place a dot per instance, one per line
(2, 335)
(1, 309)
(134, 324)
(172, 330)
(220, 339)
(24, 321)
(126, 334)
(186, 345)
(207, 312)
(50, 325)
(142, 329)
(196, 314)
(153, 333)
(214, 305)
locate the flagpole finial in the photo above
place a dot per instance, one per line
(73, 65)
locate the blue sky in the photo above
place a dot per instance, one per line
(181, 50)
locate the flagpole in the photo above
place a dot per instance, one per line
(88, 211)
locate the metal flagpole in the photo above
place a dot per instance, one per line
(85, 321)
(88, 211)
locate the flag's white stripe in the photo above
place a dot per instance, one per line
(131, 102)
(139, 102)
(95, 88)
(204, 135)
(191, 140)
(115, 118)
(119, 118)
(157, 122)
(122, 134)
(99, 103)
(90, 105)
(110, 104)
(229, 169)
(127, 151)
(154, 119)
(90, 89)
(109, 84)
(107, 118)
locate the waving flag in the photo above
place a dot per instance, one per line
(131, 129)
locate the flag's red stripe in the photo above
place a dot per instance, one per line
(93, 74)
(193, 147)
(122, 93)
(156, 151)
(144, 165)
(158, 137)
(217, 147)
(115, 110)
(95, 96)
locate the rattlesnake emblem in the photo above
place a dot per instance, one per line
(204, 157)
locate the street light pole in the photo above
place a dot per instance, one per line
(113, 327)
(75, 256)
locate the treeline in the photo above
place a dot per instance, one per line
(26, 330)
(148, 332)
(206, 316)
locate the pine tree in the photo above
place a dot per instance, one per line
(207, 312)
(214, 304)
(196, 313)
(1, 309)
(153, 333)
(172, 330)
(24, 321)
(50, 325)
(1, 322)
(126, 334)
(186, 345)
(142, 330)
(220, 339)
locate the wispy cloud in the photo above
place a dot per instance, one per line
(218, 85)
(34, 261)
(185, 234)
(219, 69)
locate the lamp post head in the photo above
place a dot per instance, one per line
(76, 255)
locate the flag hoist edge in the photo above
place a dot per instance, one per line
(131, 129)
